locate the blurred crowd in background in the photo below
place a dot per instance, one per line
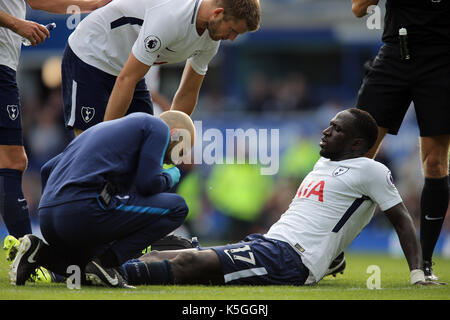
(292, 78)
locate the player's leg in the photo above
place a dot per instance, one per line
(193, 266)
(185, 266)
(13, 159)
(256, 261)
(85, 91)
(13, 205)
(157, 255)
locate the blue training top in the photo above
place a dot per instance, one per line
(128, 152)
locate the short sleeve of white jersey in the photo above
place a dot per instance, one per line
(157, 32)
(378, 184)
(200, 61)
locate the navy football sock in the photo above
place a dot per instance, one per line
(13, 206)
(139, 272)
(434, 203)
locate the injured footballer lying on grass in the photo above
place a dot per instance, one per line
(335, 201)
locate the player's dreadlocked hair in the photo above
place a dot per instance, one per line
(365, 126)
(250, 10)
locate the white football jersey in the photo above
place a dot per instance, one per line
(11, 42)
(335, 201)
(156, 31)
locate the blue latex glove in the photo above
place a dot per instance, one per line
(174, 174)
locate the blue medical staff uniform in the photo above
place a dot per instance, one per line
(127, 154)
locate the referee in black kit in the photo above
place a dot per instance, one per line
(413, 65)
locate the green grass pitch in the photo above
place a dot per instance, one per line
(352, 285)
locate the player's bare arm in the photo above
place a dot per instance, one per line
(187, 94)
(404, 226)
(123, 90)
(359, 7)
(31, 30)
(60, 6)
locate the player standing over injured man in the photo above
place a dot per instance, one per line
(111, 50)
(105, 196)
(415, 68)
(335, 201)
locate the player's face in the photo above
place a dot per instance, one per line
(220, 29)
(337, 139)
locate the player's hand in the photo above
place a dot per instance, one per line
(31, 30)
(430, 283)
(174, 174)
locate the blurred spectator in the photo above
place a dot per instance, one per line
(287, 94)
(259, 93)
(293, 94)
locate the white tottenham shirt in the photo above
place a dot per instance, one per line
(335, 201)
(10, 42)
(156, 31)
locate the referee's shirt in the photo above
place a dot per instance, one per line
(427, 22)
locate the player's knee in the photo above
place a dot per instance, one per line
(14, 158)
(435, 166)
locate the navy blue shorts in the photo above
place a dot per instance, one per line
(10, 111)
(86, 92)
(261, 261)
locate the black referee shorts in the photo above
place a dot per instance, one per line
(391, 84)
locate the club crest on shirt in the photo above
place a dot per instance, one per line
(13, 111)
(152, 44)
(340, 170)
(87, 113)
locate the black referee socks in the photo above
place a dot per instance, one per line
(433, 205)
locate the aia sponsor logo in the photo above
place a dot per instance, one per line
(310, 189)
